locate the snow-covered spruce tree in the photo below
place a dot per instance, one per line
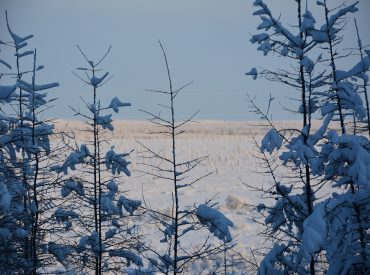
(25, 151)
(99, 234)
(341, 222)
(41, 152)
(364, 77)
(284, 220)
(11, 188)
(326, 90)
(175, 252)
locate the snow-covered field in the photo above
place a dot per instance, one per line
(232, 160)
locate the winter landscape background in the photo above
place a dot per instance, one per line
(232, 161)
(252, 159)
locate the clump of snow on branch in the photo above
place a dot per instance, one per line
(272, 140)
(115, 104)
(129, 205)
(128, 255)
(215, 221)
(117, 162)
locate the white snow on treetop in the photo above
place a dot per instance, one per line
(95, 81)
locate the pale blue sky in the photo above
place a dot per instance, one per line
(207, 41)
